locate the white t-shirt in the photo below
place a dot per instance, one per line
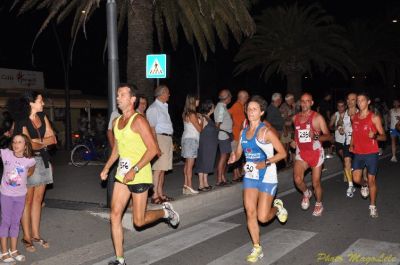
(394, 117)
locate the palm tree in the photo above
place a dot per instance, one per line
(375, 49)
(294, 41)
(202, 21)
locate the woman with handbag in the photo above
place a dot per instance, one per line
(33, 122)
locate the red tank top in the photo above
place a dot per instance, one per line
(361, 141)
(302, 133)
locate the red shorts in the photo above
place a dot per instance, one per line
(314, 158)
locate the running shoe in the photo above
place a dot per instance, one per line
(364, 192)
(282, 213)
(373, 211)
(305, 202)
(318, 209)
(394, 159)
(173, 216)
(350, 191)
(255, 255)
(116, 262)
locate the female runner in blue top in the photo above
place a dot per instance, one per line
(258, 143)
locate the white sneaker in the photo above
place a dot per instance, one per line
(305, 202)
(394, 159)
(350, 191)
(282, 213)
(373, 211)
(364, 192)
(318, 209)
(173, 216)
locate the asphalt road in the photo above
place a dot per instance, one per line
(345, 234)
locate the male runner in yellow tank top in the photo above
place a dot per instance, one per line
(135, 147)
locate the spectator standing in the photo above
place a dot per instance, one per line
(161, 126)
(193, 124)
(142, 105)
(274, 116)
(394, 120)
(223, 121)
(208, 144)
(238, 118)
(83, 123)
(18, 164)
(288, 110)
(35, 124)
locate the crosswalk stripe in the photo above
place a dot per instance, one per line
(366, 251)
(276, 243)
(176, 242)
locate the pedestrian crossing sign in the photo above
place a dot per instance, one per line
(156, 66)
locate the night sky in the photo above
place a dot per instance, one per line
(89, 66)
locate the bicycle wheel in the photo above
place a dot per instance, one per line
(80, 155)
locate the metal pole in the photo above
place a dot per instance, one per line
(113, 75)
(67, 109)
(112, 41)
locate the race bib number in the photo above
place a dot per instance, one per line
(124, 165)
(304, 136)
(251, 171)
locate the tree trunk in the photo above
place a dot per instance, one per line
(294, 84)
(140, 43)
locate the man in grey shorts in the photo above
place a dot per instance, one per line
(223, 121)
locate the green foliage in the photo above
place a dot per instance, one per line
(295, 40)
(200, 20)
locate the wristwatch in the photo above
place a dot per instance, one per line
(136, 169)
(267, 163)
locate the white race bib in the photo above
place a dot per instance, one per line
(251, 171)
(124, 165)
(304, 136)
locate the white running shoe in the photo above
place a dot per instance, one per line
(364, 192)
(373, 211)
(173, 216)
(318, 209)
(282, 213)
(305, 202)
(350, 191)
(394, 159)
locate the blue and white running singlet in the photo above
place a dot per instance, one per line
(265, 179)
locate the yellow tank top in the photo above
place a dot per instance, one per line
(131, 148)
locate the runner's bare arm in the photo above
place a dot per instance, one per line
(111, 160)
(380, 136)
(320, 122)
(332, 122)
(272, 137)
(236, 154)
(110, 135)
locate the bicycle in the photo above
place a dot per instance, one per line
(86, 150)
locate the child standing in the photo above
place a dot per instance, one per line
(18, 165)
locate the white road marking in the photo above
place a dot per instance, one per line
(276, 243)
(366, 251)
(171, 244)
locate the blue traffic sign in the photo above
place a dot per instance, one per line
(156, 66)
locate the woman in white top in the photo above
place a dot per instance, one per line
(193, 124)
(394, 120)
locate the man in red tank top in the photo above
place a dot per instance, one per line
(367, 131)
(310, 131)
